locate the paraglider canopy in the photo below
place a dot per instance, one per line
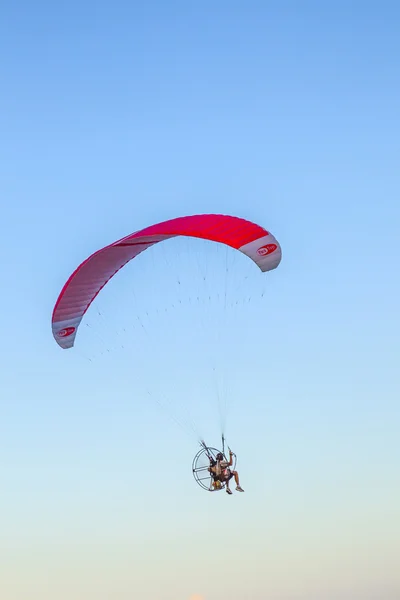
(94, 273)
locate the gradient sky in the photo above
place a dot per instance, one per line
(117, 115)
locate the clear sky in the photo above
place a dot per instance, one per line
(117, 115)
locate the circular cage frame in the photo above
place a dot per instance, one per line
(200, 471)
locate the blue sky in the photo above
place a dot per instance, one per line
(116, 116)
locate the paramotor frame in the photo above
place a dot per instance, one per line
(202, 462)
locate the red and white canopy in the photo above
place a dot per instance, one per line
(92, 275)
